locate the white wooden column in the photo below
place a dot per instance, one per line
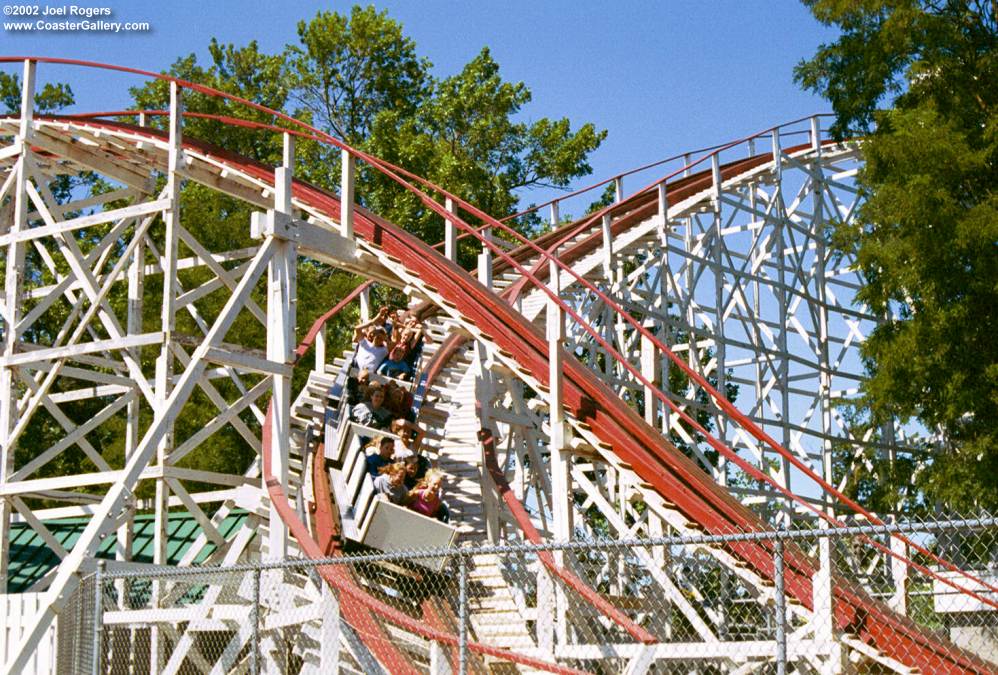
(13, 280)
(560, 453)
(347, 179)
(720, 346)
(485, 260)
(607, 250)
(558, 446)
(662, 305)
(280, 338)
(365, 305)
(899, 575)
(650, 371)
(165, 361)
(783, 296)
(450, 232)
(133, 427)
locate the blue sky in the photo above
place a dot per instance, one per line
(662, 77)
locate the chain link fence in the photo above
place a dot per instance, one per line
(864, 599)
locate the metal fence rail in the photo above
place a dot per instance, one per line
(708, 612)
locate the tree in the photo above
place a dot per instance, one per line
(927, 238)
(358, 78)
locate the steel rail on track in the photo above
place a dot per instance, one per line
(616, 424)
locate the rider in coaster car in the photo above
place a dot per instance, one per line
(372, 412)
(372, 341)
(391, 484)
(425, 497)
(382, 456)
(406, 339)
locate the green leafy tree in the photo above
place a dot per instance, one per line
(358, 78)
(927, 238)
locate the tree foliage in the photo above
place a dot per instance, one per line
(927, 238)
(359, 78)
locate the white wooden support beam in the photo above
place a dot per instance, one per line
(562, 500)
(554, 217)
(13, 279)
(650, 371)
(66, 578)
(329, 655)
(560, 450)
(347, 193)
(663, 215)
(450, 232)
(165, 361)
(607, 248)
(133, 429)
(777, 158)
(485, 269)
(715, 176)
(899, 575)
(281, 312)
(365, 305)
(815, 134)
(823, 616)
(320, 350)
(618, 189)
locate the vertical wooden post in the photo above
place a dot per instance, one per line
(365, 305)
(607, 250)
(554, 216)
(450, 232)
(13, 279)
(165, 362)
(649, 371)
(618, 189)
(899, 575)
(280, 338)
(720, 347)
(347, 177)
(560, 453)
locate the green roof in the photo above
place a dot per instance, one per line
(31, 558)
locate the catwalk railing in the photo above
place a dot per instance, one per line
(241, 618)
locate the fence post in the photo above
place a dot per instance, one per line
(255, 618)
(781, 607)
(462, 614)
(98, 615)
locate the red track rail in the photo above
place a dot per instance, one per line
(590, 401)
(364, 612)
(655, 460)
(530, 533)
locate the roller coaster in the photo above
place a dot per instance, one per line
(577, 384)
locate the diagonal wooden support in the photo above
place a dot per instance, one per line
(66, 579)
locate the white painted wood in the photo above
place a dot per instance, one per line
(16, 610)
(347, 194)
(450, 232)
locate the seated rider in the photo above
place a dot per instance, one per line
(372, 413)
(416, 466)
(399, 401)
(372, 342)
(409, 437)
(425, 497)
(381, 457)
(391, 484)
(396, 363)
(357, 387)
